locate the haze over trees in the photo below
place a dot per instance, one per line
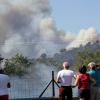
(75, 56)
(19, 64)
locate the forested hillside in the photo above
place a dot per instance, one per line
(19, 64)
(76, 56)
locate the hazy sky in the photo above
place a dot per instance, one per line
(74, 15)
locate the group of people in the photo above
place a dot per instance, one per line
(87, 80)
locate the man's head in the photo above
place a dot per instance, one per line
(98, 67)
(92, 65)
(66, 65)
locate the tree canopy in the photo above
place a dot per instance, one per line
(86, 56)
(17, 65)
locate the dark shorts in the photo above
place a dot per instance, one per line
(65, 91)
(84, 94)
(4, 97)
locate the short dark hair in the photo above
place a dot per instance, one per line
(83, 69)
(98, 67)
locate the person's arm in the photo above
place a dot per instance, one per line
(75, 76)
(93, 81)
(58, 78)
(76, 81)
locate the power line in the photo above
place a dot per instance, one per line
(41, 42)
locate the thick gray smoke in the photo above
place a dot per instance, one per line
(26, 26)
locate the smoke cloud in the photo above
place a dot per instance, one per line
(84, 36)
(27, 27)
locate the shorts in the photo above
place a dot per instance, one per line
(65, 91)
(84, 93)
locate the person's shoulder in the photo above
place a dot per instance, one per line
(80, 76)
(59, 71)
(71, 71)
(90, 72)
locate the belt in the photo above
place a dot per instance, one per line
(65, 86)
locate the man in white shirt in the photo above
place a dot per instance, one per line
(4, 85)
(64, 77)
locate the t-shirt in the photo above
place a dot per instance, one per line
(98, 79)
(65, 77)
(96, 76)
(84, 81)
(4, 80)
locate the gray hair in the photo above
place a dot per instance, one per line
(92, 64)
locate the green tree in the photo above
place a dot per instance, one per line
(86, 56)
(17, 65)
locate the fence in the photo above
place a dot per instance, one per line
(31, 88)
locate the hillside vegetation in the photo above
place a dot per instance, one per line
(18, 65)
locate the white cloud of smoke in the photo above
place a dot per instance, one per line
(84, 36)
(26, 26)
